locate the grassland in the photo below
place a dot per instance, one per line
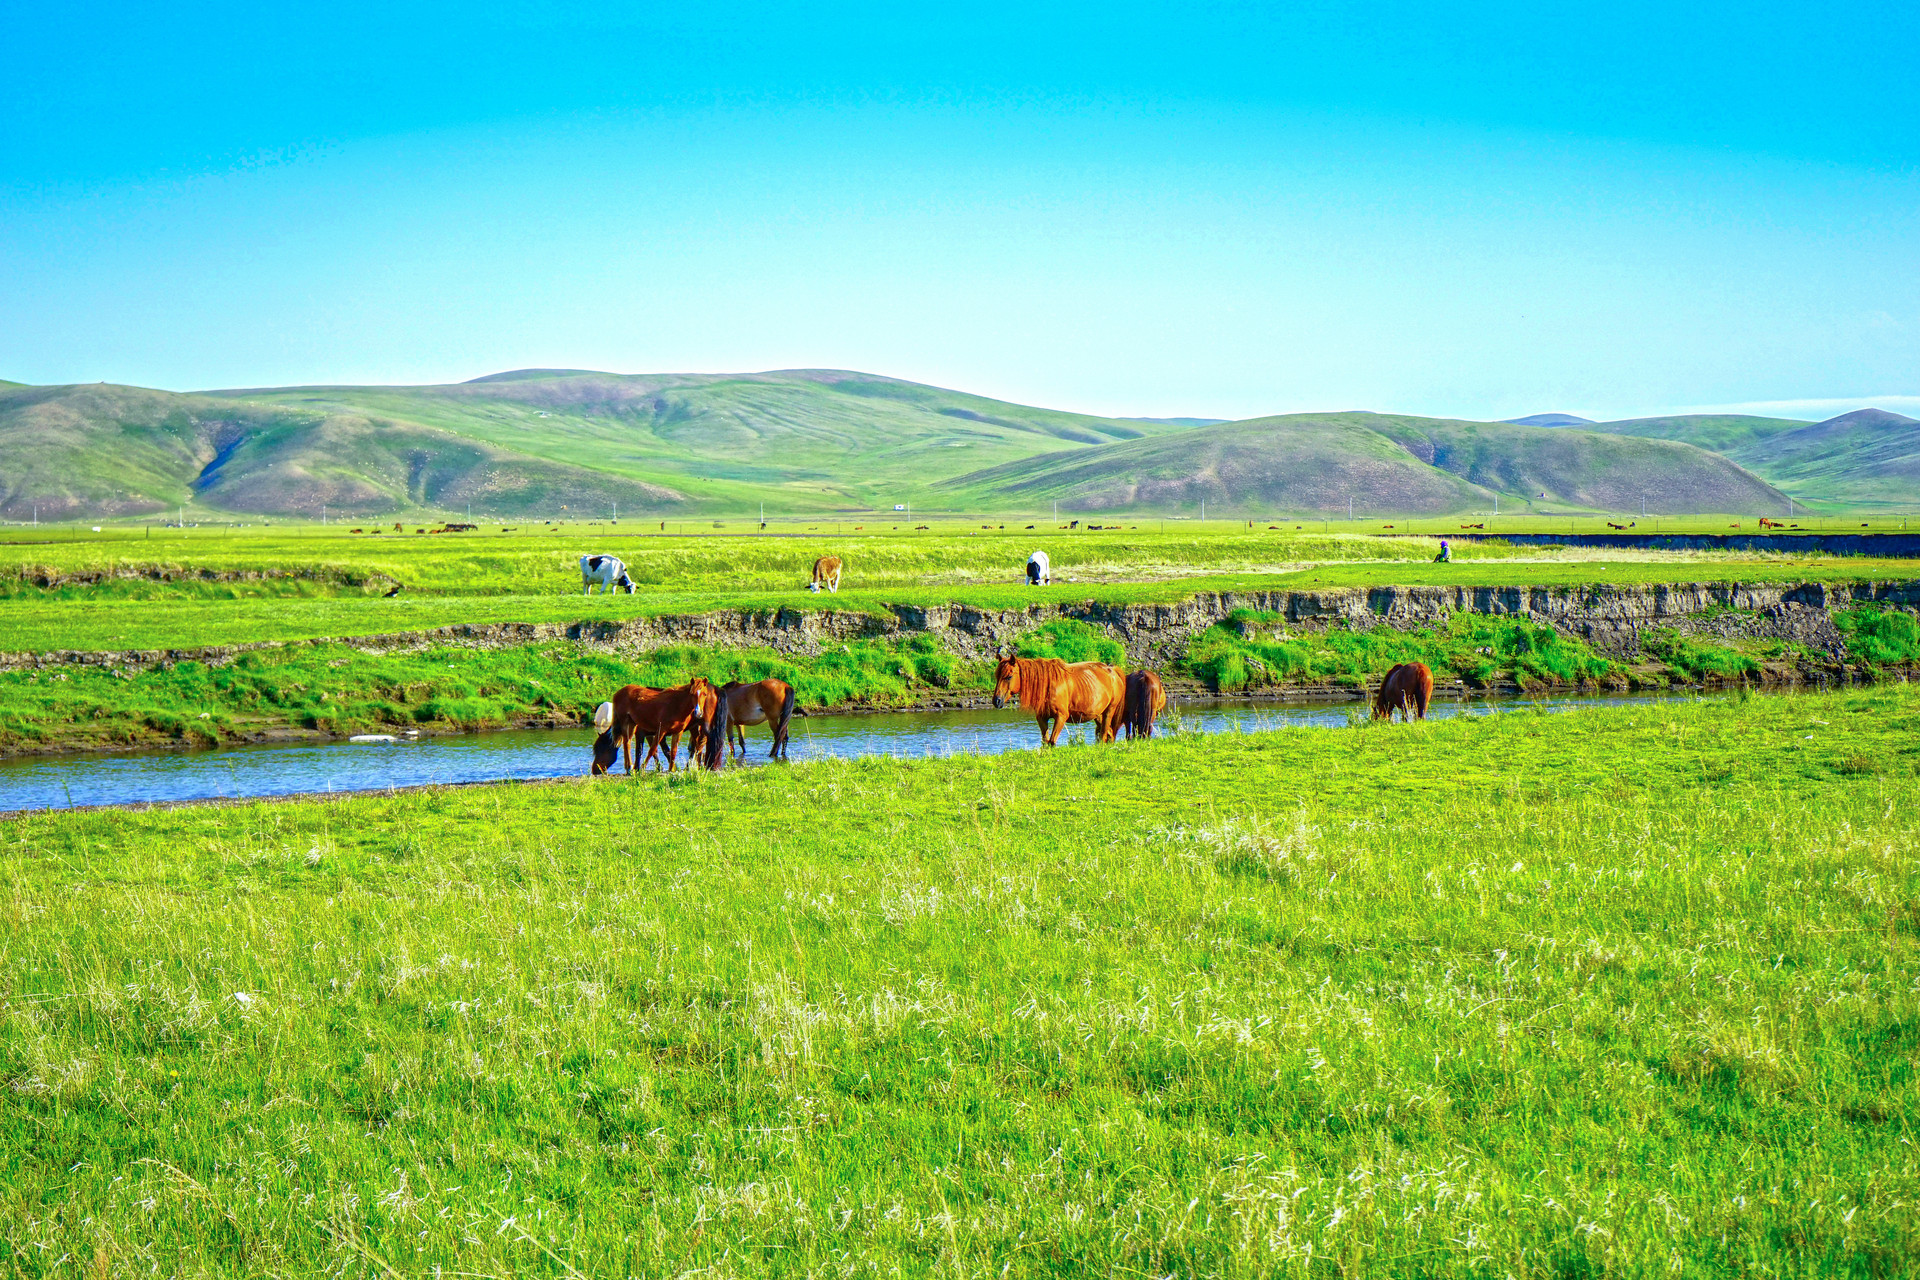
(1616, 993)
(209, 589)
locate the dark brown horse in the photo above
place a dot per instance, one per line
(656, 717)
(768, 701)
(1146, 698)
(1063, 693)
(1407, 688)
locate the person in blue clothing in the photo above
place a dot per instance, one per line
(1446, 553)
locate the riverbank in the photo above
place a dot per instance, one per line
(1529, 988)
(320, 692)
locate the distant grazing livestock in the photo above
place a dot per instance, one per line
(607, 572)
(826, 573)
(1408, 688)
(769, 702)
(1146, 699)
(1063, 693)
(1039, 570)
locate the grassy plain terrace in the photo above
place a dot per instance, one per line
(1610, 993)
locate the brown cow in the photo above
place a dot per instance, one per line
(1062, 693)
(826, 573)
(655, 716)
(1408, 688)
(1146, 698)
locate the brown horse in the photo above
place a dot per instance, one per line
(1063, 693)
(1408, 688)
(768, 701)
(1146, 698)
(826, 573)
(657, 716)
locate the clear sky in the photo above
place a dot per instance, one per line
(1206, 209)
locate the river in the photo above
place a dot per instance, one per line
(279, 769)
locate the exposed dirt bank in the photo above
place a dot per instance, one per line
(1611, 618)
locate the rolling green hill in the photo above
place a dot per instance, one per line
(1305, 463)
(799, 440)
(537, 443)
(1868, 457)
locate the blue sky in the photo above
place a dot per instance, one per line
(1210, 209)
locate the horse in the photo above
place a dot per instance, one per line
(1063, 693)
(1146, 698)
(607, 571)
(605, 749)
(1039, 570)
(826, 573)
(1408, 688)
(657, 716)
(768, 701)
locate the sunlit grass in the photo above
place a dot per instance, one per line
(1616, 992)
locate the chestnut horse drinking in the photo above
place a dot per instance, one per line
(1062, 693)
(1408, 688)
(768, 701)
(656, 716)
(1146, 698)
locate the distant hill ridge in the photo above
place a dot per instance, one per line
(535, 443)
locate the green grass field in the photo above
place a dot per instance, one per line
(1610, 993)
(534, 576)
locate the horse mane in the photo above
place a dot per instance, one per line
(1038, 679)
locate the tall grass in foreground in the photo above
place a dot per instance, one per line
(1612, 993)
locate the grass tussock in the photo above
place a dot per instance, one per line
(1619, 992)
(1880, 636)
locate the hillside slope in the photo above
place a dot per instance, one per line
(1307, 463)
(1868, 457)
(99, 450)
(800, 440)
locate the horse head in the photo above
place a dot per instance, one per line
(605, 752)
(1006, 681)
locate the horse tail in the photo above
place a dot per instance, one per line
(603, 717)
(717, 735)
(786, 718)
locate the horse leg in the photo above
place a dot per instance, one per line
(673, 749)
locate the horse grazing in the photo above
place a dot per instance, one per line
(605, 749)
(1063, 693)
(1146, 698)
(1408, 688)
(826, 573)
(766, 701)
(606, 571)
(657, 717)
(1039, 570)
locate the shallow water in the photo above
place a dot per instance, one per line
(275, 769)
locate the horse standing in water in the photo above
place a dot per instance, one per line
(766, 701)
(1407, 688)
(657, 717)
(826, 573)
(1146, 698)
(1063, 693)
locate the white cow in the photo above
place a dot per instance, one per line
(1039, 571)
(607, 571)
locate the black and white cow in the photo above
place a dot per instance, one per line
(607, 571)
(1039, 572)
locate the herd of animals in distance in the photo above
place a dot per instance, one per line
(713, 718)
